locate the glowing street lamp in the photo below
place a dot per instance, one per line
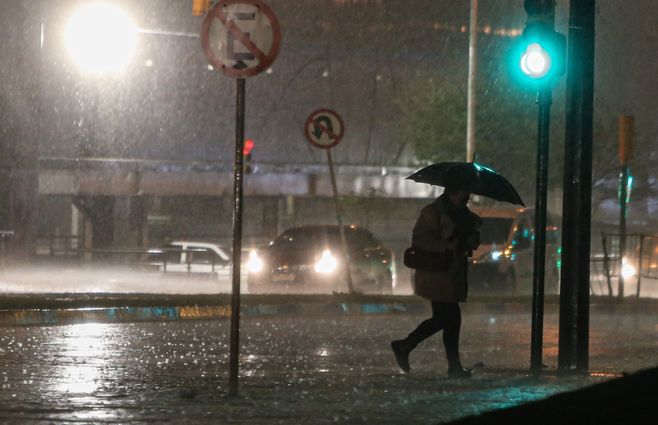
(101, 38)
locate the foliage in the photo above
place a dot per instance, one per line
(506, 123)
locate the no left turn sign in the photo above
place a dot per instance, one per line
(241, 37)
(324, 128)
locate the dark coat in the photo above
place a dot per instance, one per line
(433, 233)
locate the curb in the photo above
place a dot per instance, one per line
(38, 317)
(63, 309)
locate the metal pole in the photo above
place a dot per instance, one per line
(339, 219)
(543, 135)
(237, 237)
(472, 83)
(573, 346)
(639, 266)
(623, 181)
(606, 264)
(571, 186)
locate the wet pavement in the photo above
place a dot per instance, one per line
(319, 368)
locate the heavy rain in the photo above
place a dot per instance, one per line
(161, 184)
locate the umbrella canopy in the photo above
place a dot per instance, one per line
(470, 177)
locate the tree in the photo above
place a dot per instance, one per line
(435, 118)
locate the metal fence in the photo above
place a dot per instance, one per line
(640, 263)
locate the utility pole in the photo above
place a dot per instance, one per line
(472, 83)
(573, 344)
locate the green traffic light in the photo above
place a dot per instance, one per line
(535, 61)
(539, 56)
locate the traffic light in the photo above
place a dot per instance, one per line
(200, 7)
(539, 56)
(246, 151)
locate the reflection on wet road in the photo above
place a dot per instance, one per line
(321, 369)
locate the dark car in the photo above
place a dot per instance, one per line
(309, 257)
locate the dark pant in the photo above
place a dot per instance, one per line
(446, 317)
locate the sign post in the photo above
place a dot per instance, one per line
(241, 38)
(626, 123)
(324, 129)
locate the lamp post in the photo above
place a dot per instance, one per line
(101, 39)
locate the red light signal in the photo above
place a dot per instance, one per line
(248, 146)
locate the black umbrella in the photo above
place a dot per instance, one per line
(470, 177)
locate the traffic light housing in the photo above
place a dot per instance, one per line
(539, 56)
(200, 7)
(246, 151)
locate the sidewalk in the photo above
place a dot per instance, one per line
(631, 399)
(310, 365)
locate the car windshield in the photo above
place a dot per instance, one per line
(304, 238)
(495, 230)
(307, 238)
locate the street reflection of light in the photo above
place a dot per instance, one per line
(101, 38)
(84, 358)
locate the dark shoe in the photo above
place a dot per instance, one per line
(401, 351)
(459, 373)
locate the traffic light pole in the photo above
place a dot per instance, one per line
(544, 99)
(237, 237)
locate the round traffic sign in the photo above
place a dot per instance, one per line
(324, 128)
(241, 37)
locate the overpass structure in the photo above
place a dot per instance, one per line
(132, 177)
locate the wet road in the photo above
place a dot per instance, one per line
(294, 370)
(96, 278)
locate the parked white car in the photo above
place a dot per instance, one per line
(192, 257)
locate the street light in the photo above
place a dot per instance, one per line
(101, 38)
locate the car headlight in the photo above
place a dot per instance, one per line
(327, 263)
(627, 270)
(254, 263)
(491, 257)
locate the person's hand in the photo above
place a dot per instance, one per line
(473, 240)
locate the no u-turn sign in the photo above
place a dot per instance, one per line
(324, 128)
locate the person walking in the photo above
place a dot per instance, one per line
(449, 228)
